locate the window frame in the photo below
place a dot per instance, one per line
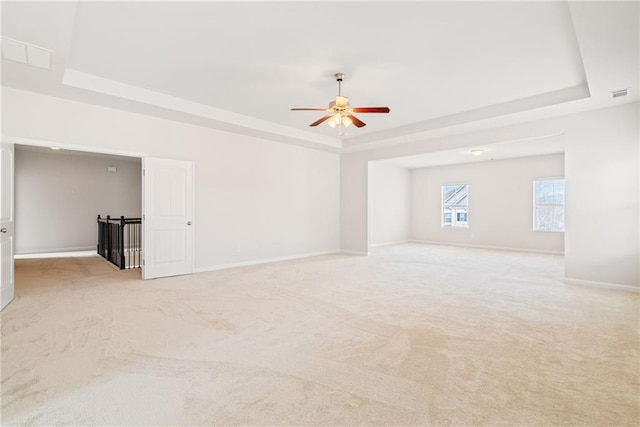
(535, 204)
(453, 213)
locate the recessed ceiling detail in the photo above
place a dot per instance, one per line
(471, 56)
(444, 67)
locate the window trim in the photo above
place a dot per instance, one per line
(453, 227)
(534, 205)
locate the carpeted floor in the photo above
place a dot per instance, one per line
(412, 335)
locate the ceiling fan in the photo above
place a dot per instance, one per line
(340, 113)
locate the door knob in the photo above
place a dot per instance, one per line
(188, 222)
(3, 230)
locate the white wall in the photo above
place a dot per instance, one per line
(255, 199)
(601, 233)
(602, 168)
(58, 195)
(389, 203)
(304, 215)
(500, 203)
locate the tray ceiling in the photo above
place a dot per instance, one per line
(240, 66)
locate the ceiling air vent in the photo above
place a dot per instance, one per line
(619, 93)
(26, 53)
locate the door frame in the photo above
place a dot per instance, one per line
(90, 149)
(73, 147)
(7, 287)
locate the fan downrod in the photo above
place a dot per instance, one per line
(339, 77)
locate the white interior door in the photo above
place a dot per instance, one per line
(6, 224)
(167, 218)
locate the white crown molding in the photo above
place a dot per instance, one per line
(262, 128)
(454, 123)
(104, 86)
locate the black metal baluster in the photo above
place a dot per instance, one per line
(121, 243)
(128, 246)
(108, 227)
(139, 240)
(115, 243)
(99, 236)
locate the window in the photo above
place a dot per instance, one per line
(455, 205)
(548, 196)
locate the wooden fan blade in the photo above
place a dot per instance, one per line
(317, 122)
(308, 109)
(356, 121)
(371, 109)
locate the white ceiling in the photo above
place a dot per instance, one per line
(240, 66)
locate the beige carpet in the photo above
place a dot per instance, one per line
(413, 335)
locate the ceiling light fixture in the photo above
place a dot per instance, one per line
(335, 120)
(477, 152)
(340, 108)
(55, 148)
(340, 114)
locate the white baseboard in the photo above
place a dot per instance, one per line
(602, 285)
(349, 252)
(263, 261)
(375, 245)
(70, 254)
(496, 248)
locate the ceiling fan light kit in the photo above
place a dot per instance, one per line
(340, 113)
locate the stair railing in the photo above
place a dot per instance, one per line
(120, 241)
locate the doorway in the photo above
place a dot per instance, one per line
(59, 194)
(161, 200)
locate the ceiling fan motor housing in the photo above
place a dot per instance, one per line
(340, 104)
